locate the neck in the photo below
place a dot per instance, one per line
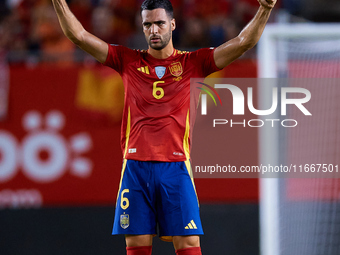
(163, 53)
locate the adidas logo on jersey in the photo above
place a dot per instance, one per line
(191, 225)
(144, 69)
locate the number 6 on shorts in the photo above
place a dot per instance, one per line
(124, 199)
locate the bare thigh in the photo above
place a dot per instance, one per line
(138, 240)
(182, 242)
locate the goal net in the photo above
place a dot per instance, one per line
(301, 216)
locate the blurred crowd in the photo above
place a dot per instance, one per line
(30, 32)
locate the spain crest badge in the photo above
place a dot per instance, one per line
(124, 221)
(176, 69)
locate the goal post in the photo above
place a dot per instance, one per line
(278, 45)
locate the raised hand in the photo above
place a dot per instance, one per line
(269, 4)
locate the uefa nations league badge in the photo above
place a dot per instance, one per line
(160, 71)
(124, 221)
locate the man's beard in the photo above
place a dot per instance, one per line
(164, 41)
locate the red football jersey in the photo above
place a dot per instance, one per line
(155, 125)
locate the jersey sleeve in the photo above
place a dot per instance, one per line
(203, 59)
(118, 56)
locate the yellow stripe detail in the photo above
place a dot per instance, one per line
(121, 179)
(186, 227)
(143, 70)
(127, 134)
(188, 165)
(186, 137)
(193, 224)
(139, 69)
(147, 70)
(189, 169)
(190, 226)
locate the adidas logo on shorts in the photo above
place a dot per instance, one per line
(191, 225)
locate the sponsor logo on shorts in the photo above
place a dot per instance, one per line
(124, 221)
(191, 225)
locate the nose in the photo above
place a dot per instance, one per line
(154, 29)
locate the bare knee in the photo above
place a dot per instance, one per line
(138, 240)
(182, 242)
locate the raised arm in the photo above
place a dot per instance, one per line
(77, 34)
(247, 39)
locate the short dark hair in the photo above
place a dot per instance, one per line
(154, 4)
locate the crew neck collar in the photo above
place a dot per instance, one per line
(174, 53)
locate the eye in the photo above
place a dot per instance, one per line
(146, 25)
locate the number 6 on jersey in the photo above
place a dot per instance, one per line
(157, 89)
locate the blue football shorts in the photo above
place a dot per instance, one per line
(157, 195)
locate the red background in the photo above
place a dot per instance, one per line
(44, 89)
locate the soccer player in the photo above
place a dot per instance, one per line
(156, 188)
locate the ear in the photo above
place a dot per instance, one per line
(173, 24)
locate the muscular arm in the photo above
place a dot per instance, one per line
(247, 39)
(77, 34)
